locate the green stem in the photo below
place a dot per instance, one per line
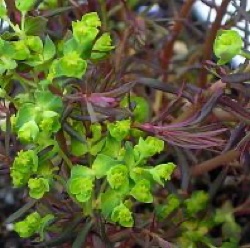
(23, 21)
(24, 81)
(245, 54)
(64, 157)
(104, 14)
(60, 180)
(14, 27)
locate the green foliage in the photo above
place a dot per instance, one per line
(24, 6)
(81, 188)
(164, 210)
(117, 176)
(24, 165)
(28, 131)
(142, 191)
(3, 10)
(225, 217)
(197, 202)
(227, 45)
(80, 184)
(122, 215)
(38, 187)
(29, 225)
(162, 172)
(149, 147)
(32, 224)
(141, 109)
(95, 169)
(123, 173)
(120, 129)
(102, 46)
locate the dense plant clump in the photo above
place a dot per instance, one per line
(105, 151)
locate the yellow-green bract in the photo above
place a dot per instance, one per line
(227, 45)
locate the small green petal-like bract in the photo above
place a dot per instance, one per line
(162, 171)
(142, 191)
(91, 20)
(29, 226)
(149, 147)
(122, 215)
(34, 43)
(171, 204)
(25, 163)
(81, 188)
(227, 45)
(117, 176)
(21, 51)
(50, 122)
(86, 30)
(38, 187)
(120, 129)
(197, 202)
(102, 46)
(71, 65)
(25, 5)
(23, 229)
(19, 178)
(28, 132)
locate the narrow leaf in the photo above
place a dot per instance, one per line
(21, 211)
(81, 237)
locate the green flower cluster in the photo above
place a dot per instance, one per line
(38, 187)
(227, 45)
(149, 147)
(91, 144)
(40, 116)
(81, 183)
(29, 50)
(29, 226)
(172, 204)
(119, 130)
(197, 202)
(30, 58)
(24, 165)
(80, 47)
(32, 224)
(122, 215)
(122, 167)
(115, 173)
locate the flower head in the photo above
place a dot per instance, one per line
(29, 225)
(28, 131)
(119, 129)
(227, 45)
(117, 176)
(149, 147)
(142, 191)
(25, 163)
(38, 187)
(197, 202)
(162, 171)
(122, 215)
(50, 121)
(81, 188)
